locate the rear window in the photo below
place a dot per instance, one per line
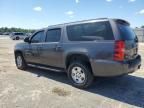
(90, 31)
(126, 32)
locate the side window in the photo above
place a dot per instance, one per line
(90, 32)
(53, 35)
(38, 37)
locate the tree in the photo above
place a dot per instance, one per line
(13, 29)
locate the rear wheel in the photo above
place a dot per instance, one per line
(17, 38)
(80, 74)
(20, 62)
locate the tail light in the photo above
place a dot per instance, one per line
(119, 51)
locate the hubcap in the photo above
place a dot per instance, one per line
(19, 61)
(78, 75)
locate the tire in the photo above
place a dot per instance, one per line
(17, 38)
(20, 62)
(85, 76)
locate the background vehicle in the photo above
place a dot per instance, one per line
(28, 34)
(6, 33)
(1, 33)
(17, 36)
(101, 47)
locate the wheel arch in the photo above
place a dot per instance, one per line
(18, 52)
(77, 56)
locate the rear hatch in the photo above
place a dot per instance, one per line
(129, 37)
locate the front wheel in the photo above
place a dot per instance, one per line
(80, 74)
(20, 62)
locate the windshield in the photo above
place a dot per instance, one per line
(126, 32)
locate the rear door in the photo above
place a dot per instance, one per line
(52, 51)
(130, 38)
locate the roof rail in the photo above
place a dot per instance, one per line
(78, 21)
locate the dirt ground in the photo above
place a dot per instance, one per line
(37, 88)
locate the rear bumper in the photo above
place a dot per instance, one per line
(114, 68)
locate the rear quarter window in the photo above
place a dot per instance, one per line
(90, 31)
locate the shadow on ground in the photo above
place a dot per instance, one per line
(128, 89)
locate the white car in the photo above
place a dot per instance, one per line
(18, 36)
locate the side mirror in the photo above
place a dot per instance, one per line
(27, 40)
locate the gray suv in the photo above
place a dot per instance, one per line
(84, 49)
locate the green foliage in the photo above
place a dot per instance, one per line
(10, 30)
(142, 26)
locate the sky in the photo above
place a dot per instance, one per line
(36, 14)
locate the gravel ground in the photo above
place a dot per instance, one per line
(37, 88)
